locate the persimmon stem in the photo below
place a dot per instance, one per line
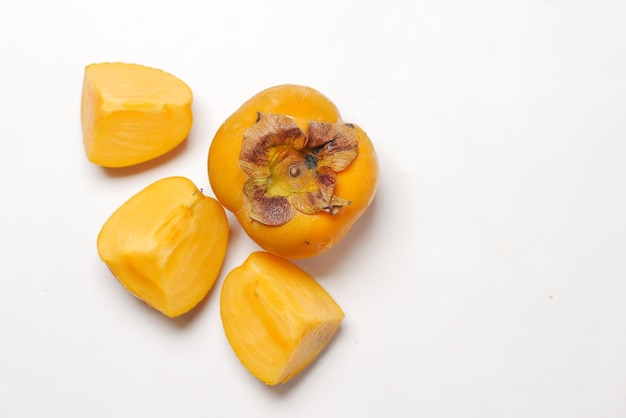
(294, 170)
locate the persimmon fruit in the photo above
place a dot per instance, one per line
(276, 317)
(166, 244)
(131, 113)
(293, 173)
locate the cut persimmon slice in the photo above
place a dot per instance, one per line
(166, 244)
(131, 113)
(276, 317)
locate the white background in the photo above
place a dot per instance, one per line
(488, 279)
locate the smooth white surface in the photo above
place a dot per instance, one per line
(487, 280)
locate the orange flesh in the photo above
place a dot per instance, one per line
(131, 113)
(166, 244)
(276, 317)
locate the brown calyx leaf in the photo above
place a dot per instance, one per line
(292, 171)
(269, 210)
(336, 144)
(269, 131)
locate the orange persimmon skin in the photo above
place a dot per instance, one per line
(305, 235)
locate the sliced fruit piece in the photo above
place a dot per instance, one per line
(276, 317)
(131, 113)
(166, 244)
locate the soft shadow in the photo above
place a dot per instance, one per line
(187, 319)
(148, 165)
(285, 388)
(348, 248)
(181, 322)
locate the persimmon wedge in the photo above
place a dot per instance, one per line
(276, 317)
(166, 244)
(131, 113)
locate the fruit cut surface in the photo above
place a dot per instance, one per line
(131, 113)
(276, 317)
(166, 244)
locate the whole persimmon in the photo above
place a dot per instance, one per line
(292, 172)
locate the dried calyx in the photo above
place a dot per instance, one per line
(293, 171)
